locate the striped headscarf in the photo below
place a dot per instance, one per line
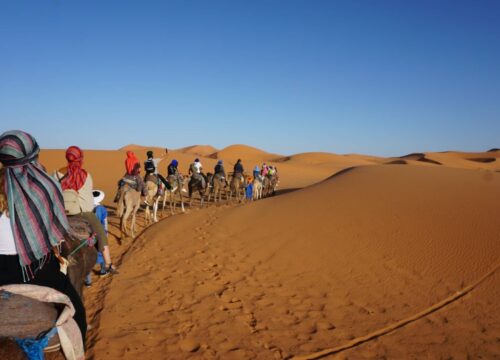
(130, 162)
(76, 176)
(36, 207)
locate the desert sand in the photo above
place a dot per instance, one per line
(356, 257)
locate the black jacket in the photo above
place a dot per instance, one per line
(172, 170)
(219, 169)
(238, 168)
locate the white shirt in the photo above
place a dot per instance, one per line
(197, 166)
(156, 162)
(7, 244)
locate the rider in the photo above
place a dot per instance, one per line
(173, 171)
(32, 221)
(265, 169)
(151, 167)
(75, 178)
(219, 171)
(132, 176)
(256, 172)
(238, 168)
(195, 170)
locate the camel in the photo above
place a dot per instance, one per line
(152, 199)
(237, 186)
(129, 203)
(219, 186)
(196, 185)
(81, 257)
(177, 186)
(257, 187)
(24, 317)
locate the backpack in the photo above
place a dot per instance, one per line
(71, 202)
(149, 166)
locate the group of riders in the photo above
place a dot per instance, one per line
(133, 176)
(35, 212)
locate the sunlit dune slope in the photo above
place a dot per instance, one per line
(316, 268)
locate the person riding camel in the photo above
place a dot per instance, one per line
(195, 170)
(33, 221)
(132, 177)
(219, 171)
(74, 178)
(265, 169)
(238, 168)
(256, 172)
(151, 168)
(173, 171)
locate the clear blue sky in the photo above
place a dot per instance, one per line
(376, 77)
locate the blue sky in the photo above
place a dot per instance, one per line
(375, 77)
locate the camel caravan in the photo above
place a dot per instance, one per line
(154, 189)
(53, 232)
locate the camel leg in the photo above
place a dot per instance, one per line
(125, 218)
(182, 200)
(155, 210)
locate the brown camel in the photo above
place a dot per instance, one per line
(177, 187)
(219, 186)
(24, 317)
(129, 203)
(237, 186)
(196, 185)
(152, 199)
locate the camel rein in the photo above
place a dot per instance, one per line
(88, 241)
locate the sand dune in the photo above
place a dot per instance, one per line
(238, 151)
(467, 160)
(202, 150)
(317, 268)
(312, 269)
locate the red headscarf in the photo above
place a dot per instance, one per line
(130, 162)
(76, 176)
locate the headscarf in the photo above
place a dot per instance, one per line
(174, 163)
(36, 206)
(76, 176)
(130, 162)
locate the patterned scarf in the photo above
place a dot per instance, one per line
(36, 207)
(76, 176)
(130, 162)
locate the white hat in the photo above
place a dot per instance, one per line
(98, 196)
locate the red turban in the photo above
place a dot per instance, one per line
(76, 176)
(130, 162)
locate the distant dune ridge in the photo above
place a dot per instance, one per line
(359, 247)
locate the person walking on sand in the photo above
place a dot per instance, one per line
(75, 178)
(33, 221)
(101, 213)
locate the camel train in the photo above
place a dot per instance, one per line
(29, 312)
(214, 187)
